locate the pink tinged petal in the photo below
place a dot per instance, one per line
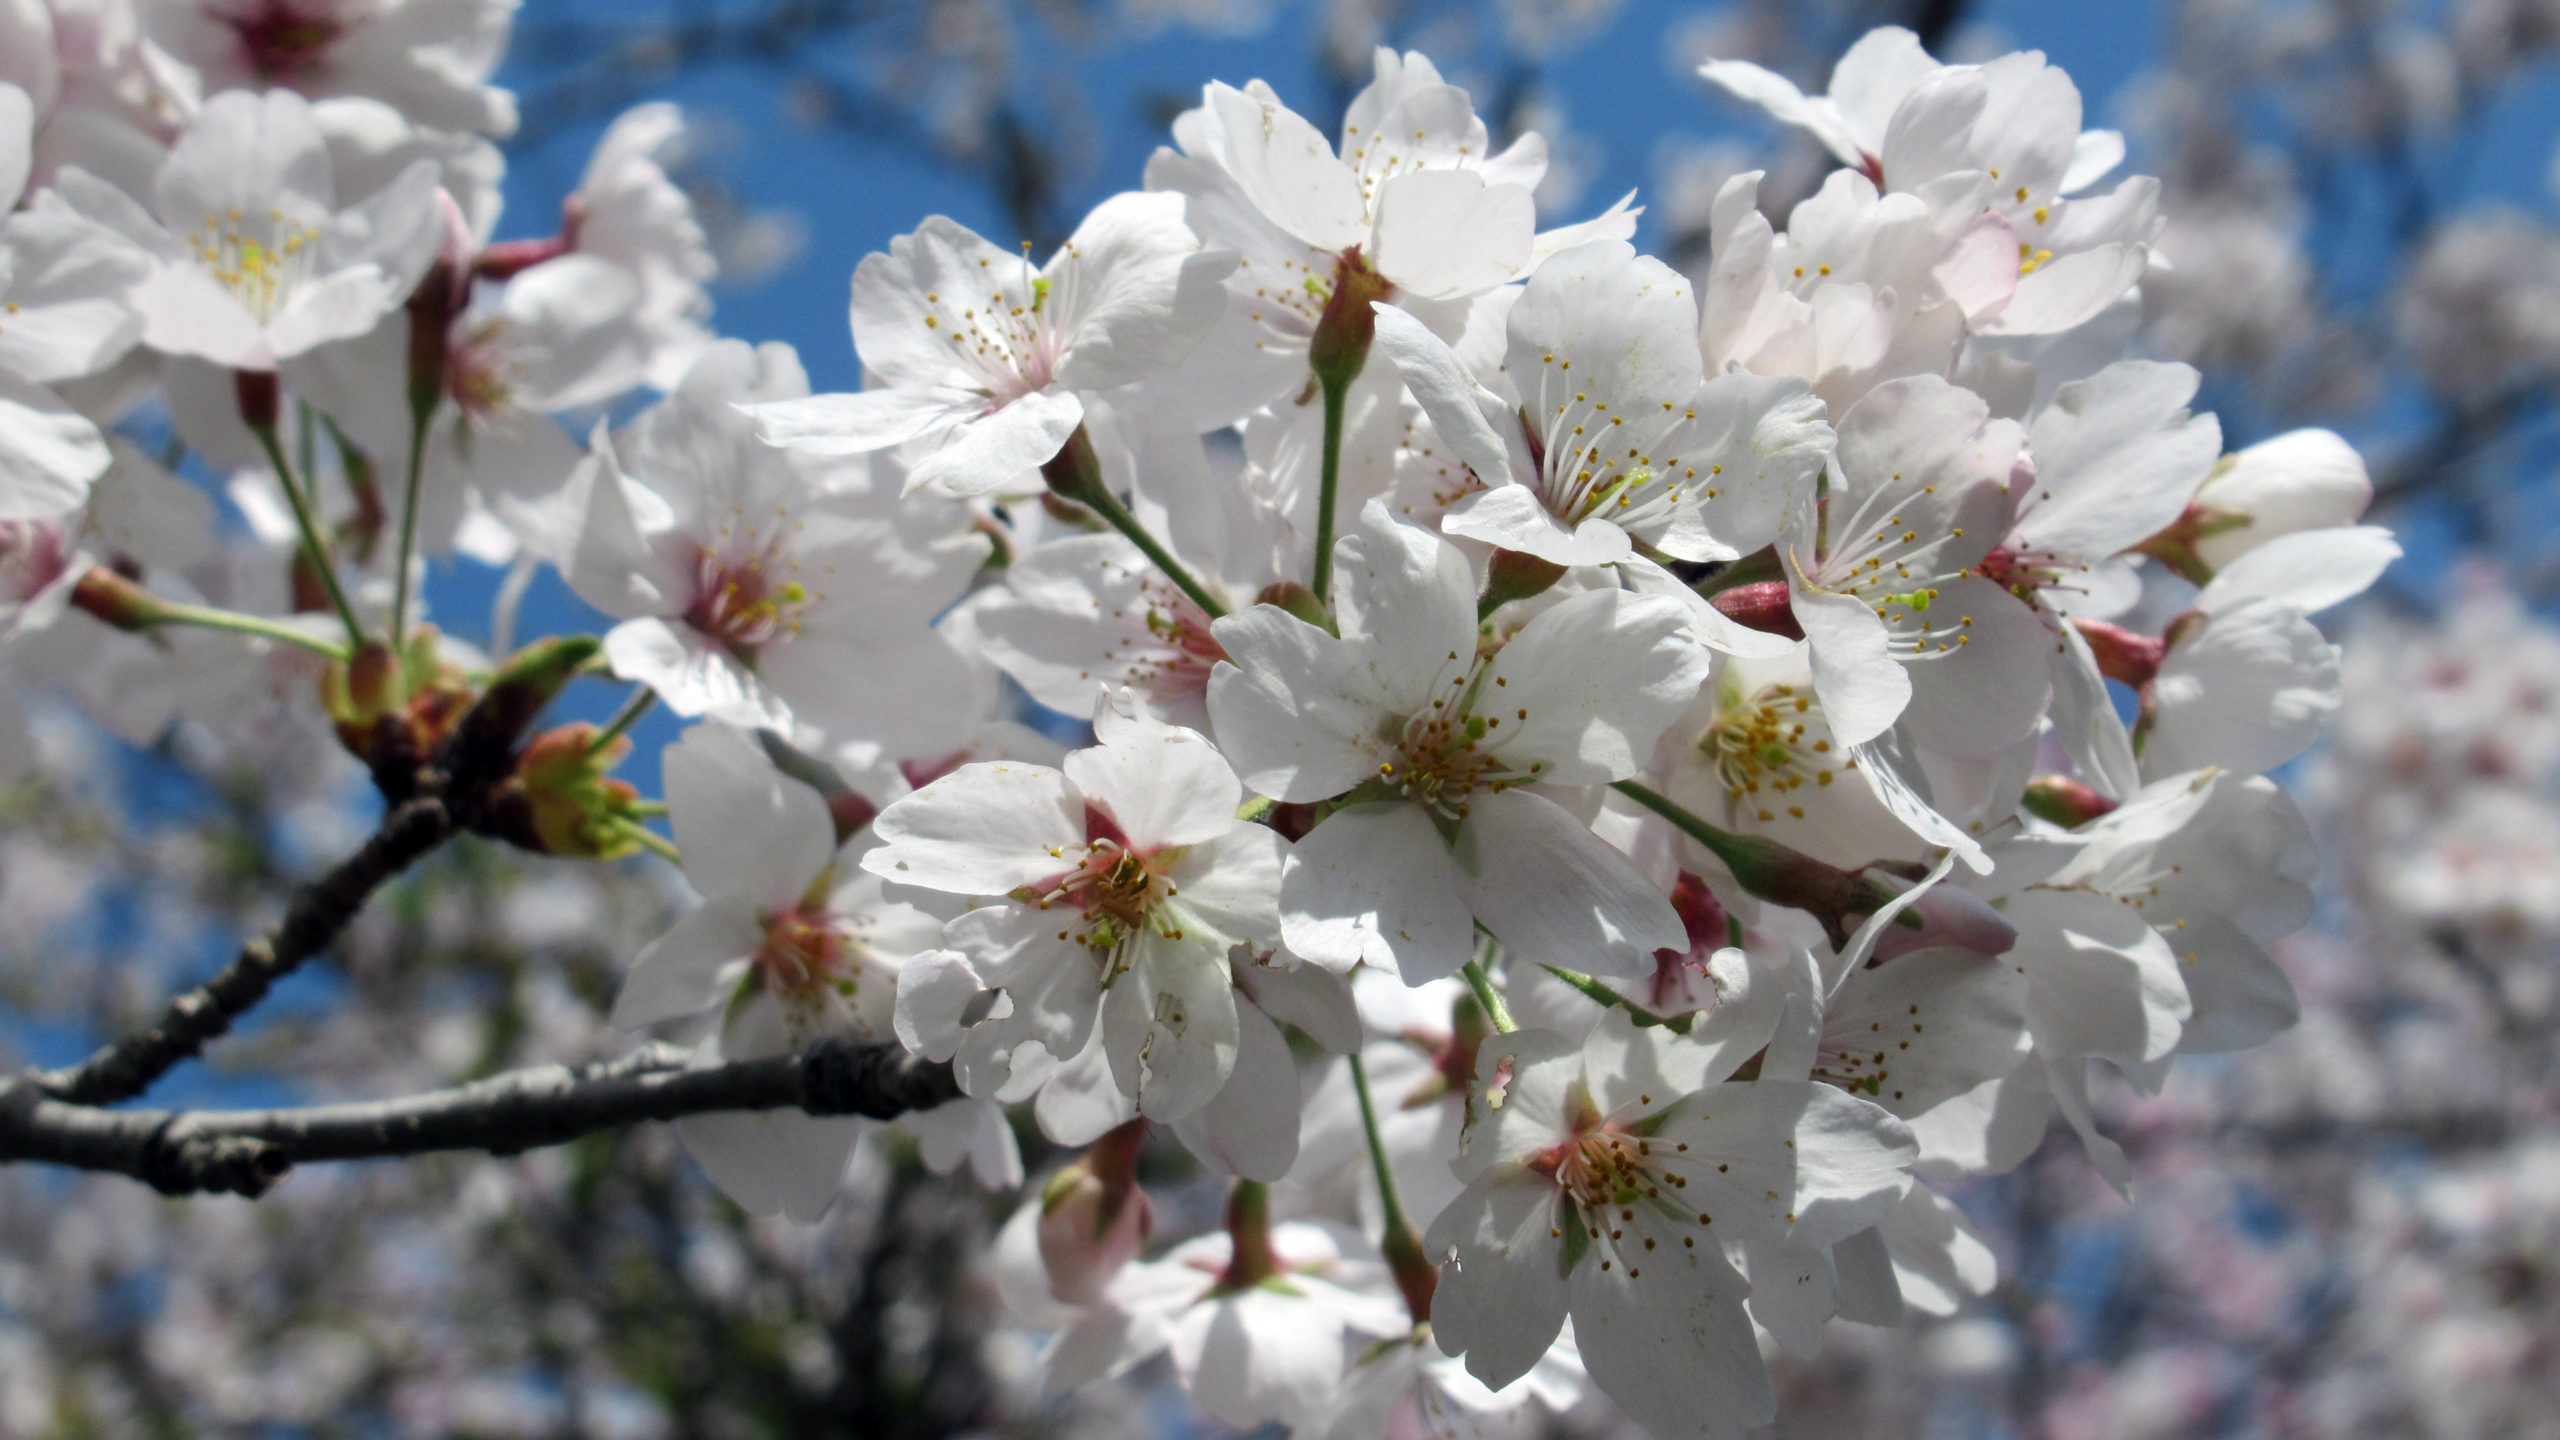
(993, 449)
(1444, 234)
(679, 974)
(774, 1162)
(1670, 1343)
(2241, 996)
(1445, 390)
(2309, 570)
(1258, 1355)
(1599, 677)
(1931, 133)
(1079, 1103)
(1868, 1291)
(1554, 893)
(187, 312)
(1503, 1293)
(1135, 295)
(17, 139)
(1794, 1293)
(1286, 168)
(1408, 599)
(984, 829)
(2085, 720)
(68, 279)
(1162, 784)
(935, 992)
(1512, 517)
(1297, 711)
(1314, 999)
(2117, 457)
(1169, 1020)
(50, 454)
(1788, 105)
(1250, 1128)
(1376, 882)
(2099, 980)
(1979, 269)
(1923, 1028)
(1985, 687)
(2070, 290)
(856, 424)
(1228, 887)
(692, 674)
(1939, 1260)
(2247, 691)
(1863, 689)
(744, 828)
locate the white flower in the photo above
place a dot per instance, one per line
(1890, 602)
(627, 213)
(763, 587)
(1117, 888)
(251, 259)
(982, 363)
(1417, 208)
(429, 58)
(2003, 136)
(2300, 480)
(1607, 1183)
(791, 945)
(1601, 427)
(1453, 751)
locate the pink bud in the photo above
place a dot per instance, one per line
(1094, 1218)
(1949, 915)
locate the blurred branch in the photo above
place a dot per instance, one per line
(128, 1066)
(244, 1152)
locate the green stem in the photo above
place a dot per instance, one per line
(1723, 844)
(408, 524)
(310, 528)
(1337, 390)
(1107, 505)
(206, 618)
(1601, 994)
(624, 718)
(1388, 1205)
(1486, 996)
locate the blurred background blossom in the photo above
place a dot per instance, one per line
(2353, 1231)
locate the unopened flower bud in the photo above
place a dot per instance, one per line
(1516, 575)
(1761, 605)
(2300, 480)
(1947, 914)
(1094, 1218)
(2064, 801)
(562, 798)
(2122, 654)
(1340, 346)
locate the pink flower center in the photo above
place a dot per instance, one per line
(284, 40)
(1181, 652)
(1623, 1189)
(1120, 888)
(746, 595)
(33, 555)
(803, 949)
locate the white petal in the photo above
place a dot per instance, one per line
(1554, 893)
(983, 829)
(1169, 1019)
(1445, 234)
(991, 450)
(1162, 784)
(1376, 882)
(1296, 710)
(49, 453)
(1671, 1345)
(774, 1161)
(1502, 1301)
(679, 973)
(1445, 391)
(743, 827)
(1587, 686)
(2099, 980)
(1250, 1129)
(2309, 570)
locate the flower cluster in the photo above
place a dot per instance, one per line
(1607, 790)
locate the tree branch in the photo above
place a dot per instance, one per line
(127, 1066)
(243, 1152)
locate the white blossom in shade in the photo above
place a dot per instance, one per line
(49, 452)
(1607, 1184)
(1090, 610)
(2002, 137)
(1883, 580)
(791, 945)
(1756, 754)
(1249, 1353)
(981, 364)
(1407, 1390)
(762, 587)
(1453, 758)
(430, 59)
(252, 259)
(1116, 888)
(1416, 201)
(1601, 430)
(626, 212)
(17, 144)
(2300, 480)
